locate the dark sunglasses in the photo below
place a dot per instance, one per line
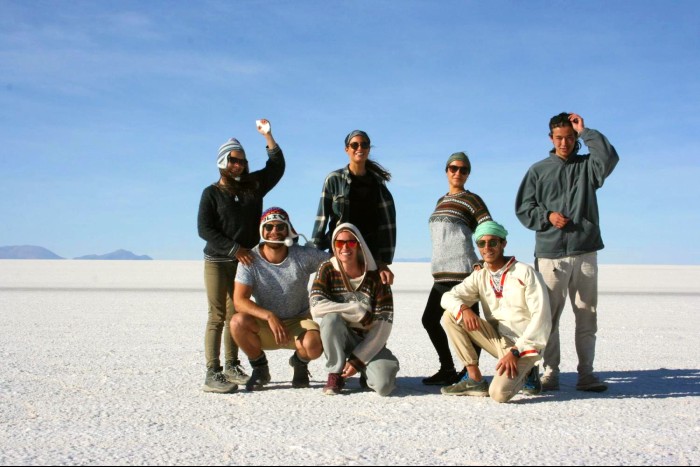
(454, 168)
(350, 243)
(493, 243)
(277, 227)
(236, 160)
(363, 145)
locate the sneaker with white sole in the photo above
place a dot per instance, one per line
(467, 387)
(335, 384)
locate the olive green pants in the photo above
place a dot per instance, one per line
(218, 281)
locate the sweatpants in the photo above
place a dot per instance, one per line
(339, 340)
(502, 388)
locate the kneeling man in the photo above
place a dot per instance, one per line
(517, 319)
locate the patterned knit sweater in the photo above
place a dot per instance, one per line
(451, 226)
(368, 308)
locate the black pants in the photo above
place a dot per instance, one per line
(431, 322)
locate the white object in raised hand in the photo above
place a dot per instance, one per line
(263, 126)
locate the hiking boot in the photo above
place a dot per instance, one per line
(591, 383)
(215, 381)
(259, 378)
(533, 385)
(301, 372)
(334, 385)
(467, 387)
(235, 373)
(444, 377)
(550, 382)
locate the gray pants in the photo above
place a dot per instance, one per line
(218, 280)
(502, 388)
(339, 340)
(576, 277)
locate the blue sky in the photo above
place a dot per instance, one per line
(112, 112)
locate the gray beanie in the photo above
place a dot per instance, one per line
(462, 157)
(225, 149)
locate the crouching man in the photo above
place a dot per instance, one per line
(279, 318)
(356, 311)
(516, 325)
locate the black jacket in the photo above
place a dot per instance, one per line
(228, 222)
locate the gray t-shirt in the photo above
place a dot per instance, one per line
(282, 288)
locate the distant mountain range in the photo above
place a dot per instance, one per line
(38, 252)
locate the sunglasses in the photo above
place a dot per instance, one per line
(350, 243)
(363, 145)
(277, 227)
(236, 160)
(454, 168)
(491, 243)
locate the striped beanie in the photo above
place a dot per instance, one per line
(225, 149)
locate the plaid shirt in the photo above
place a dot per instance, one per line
(334, 209)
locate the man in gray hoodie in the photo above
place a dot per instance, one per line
(557, 199)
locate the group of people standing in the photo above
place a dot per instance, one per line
(257, 274)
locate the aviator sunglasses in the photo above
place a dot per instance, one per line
(363, 145)
(350, 243)
(454, 168)
(493, 243)
(277, 227)
(236, 160)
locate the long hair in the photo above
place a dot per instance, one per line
(376, 167)
(242, 187)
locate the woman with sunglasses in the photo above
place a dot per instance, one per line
(228, 219)
(357, 194)
(455, 218)
(356, 311)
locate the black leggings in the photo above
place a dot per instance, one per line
(431, 322)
